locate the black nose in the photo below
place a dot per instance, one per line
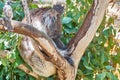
(53, 19)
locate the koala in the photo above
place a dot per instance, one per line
(48, 21)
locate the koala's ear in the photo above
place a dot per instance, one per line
(59, 8)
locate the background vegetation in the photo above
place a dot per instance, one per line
(99, 62)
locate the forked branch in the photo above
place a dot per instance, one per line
(88, 29)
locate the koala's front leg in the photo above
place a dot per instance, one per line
(26, 48)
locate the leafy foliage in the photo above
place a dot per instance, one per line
(9, 41)
(97, 63)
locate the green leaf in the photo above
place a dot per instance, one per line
(1, 5)
(21, 73)
(8, 77)
(68, 1)
(50, 78)
(33, 6)
(66, 20)
(101, 76)
(86, 78)
(89, 57)
(109, 67)
(85, 63)
(105, 33)
(69, 30)
(111, 76)
(102, 58)
(4, 62)
(31, 78)
(80, 72)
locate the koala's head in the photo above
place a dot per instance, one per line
(52, 21)
(59, 8)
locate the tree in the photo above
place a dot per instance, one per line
(80, 41)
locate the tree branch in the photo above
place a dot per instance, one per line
(88, 29)
(26, 11)
(26, 70)
(38, 36)
(45, 42)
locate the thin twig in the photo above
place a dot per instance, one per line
(26, 11)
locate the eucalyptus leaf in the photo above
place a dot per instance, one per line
(50, 78)
(109, 67)
(111, 76)
(66, 20)
(85, 63)
(86, 79)
(101, 76)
